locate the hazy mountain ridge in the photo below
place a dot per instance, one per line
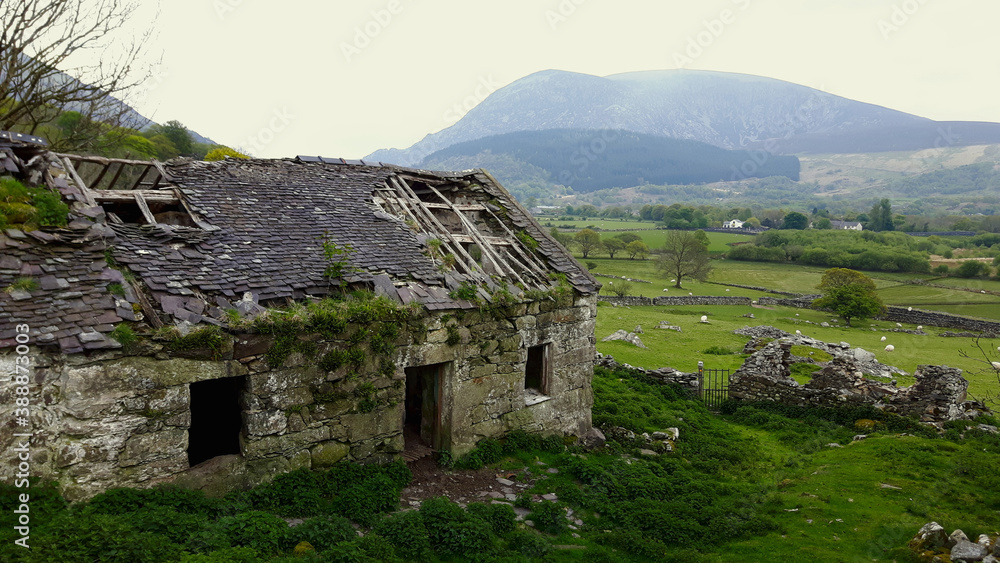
(588, 160)
(727, 110)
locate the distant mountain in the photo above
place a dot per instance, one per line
(728, 110)
(589, 160)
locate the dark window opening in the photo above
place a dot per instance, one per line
(216, 419)
(536, 370)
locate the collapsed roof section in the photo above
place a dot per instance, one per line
(205, 237)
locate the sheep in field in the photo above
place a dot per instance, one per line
(883, 339)
(890, 348)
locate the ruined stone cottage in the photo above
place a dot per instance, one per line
(212, 324)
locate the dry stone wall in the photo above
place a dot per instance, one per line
(626, 300)
(702, 300)
(109, 419)
(932, 318)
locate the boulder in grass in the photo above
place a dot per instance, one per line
(931, 537)
(965, 550)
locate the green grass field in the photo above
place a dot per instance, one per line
(683, 350)
(602, 224)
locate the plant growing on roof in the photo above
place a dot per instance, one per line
(434, 247)
(23, 284)
(336, 260)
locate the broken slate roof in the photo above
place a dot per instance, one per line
(262, 225)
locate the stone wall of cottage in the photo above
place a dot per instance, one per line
(109, 419)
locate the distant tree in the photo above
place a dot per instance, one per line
(613, 245)
(561, 237)
(165, 149)
(823, 224)
(221, 152)
(621, 289)
(963, 224)
(627, 237)
(178, 135)
(588, 240)
(850, 294)
(683, 256)
(40, 41)
(972, 269)
(880, 217)
(702, 237)
(637, 249)
(795, 220)
(753, 222)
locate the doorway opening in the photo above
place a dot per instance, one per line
(422, 424)
(216, 419)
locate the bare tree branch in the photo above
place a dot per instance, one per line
(991, 366)
(47, 54)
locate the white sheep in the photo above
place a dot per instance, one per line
(727, 290)
(920, 327)
(883, 339)
(689, 293)
(909, 308)
(672, 281)
(996, 365)
(889, 348)
(665, 289)
(799, 332)
(899, 325)
(704, 318)
(796, 314)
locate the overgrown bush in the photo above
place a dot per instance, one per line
(549, 517)
(29, 208)
(453, 531)
(322, 532)
(98, 537)
(406, 531)
(258, 530)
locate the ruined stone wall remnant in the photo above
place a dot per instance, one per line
(851, 377)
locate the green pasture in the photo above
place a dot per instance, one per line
(682, 350)
(864, 501)
(594, 223)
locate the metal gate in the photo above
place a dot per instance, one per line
(713, 385)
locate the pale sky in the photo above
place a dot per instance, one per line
(342, 79)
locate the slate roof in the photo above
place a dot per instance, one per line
(268, 221)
